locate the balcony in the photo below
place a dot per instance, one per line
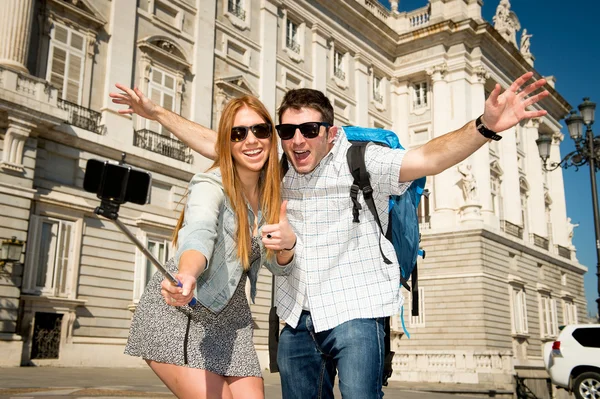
(563, 251)
(293, 45)
(540, 241)
(377, 97)
(512, 229)
(164, 145)
(82, 117)
(340, 74)
(236, 9)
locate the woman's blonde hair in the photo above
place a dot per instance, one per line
(269, 182)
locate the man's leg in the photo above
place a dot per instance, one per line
(305, 372)
(358, 347)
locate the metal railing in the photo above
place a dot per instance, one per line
(512, 229)
(564, 251)
(293, 45)
(164, 145)
(82, 117)
(234, 8)
(540, 241)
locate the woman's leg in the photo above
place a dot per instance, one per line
(190, 383)
(246, 387)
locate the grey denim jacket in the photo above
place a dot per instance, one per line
(209, 227)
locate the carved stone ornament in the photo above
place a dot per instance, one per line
(438, 72)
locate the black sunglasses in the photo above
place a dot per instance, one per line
(260, 131)
(310, 130)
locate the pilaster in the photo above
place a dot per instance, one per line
(361, 80)
(15, 29)
(535, 179)
(481, 158)
(119, 59)
(320, 56)
(510, 179)
(268, 59)
(399, 103)
(16, 136)
(443, 214)
(203, 63)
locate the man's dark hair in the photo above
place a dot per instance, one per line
(307, 98)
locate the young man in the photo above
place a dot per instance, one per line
(334, 300)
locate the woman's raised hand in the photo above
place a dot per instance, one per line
(136, 100)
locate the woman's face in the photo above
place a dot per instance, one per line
(250, 153)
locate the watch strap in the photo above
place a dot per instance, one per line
(487, 133)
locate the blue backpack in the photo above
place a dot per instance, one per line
(403, 222)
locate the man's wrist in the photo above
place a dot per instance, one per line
(485, 131)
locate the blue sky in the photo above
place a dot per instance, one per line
(565, 44)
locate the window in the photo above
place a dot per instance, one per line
(236, 7)
(51, 256)
(291, 40)
(563, 278)
(524, 215)
(65, 62)
(420, 95)
(587, 336)
(338, 65)
(418, 321)
(160, 249)
(162, 91)
(519, 310)
(548, 319)
(569, 312)
(377, 89)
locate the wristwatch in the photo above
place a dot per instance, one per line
(487, 133)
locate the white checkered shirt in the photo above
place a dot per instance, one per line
(339, 268)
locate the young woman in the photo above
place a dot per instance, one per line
(232, 223)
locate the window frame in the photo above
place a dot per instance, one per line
(548, 316)
(420, 92)
(53, 43)
(142, 264)
(417, 321)
(32, 265)
(152, 85)
(518, 310)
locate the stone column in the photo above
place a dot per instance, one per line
(15, 31)
(268, 51)
(14, 142)
(480, 160)
(399, 103)
(511, 192)
(361, 81)
(320, 56)
(443, 214)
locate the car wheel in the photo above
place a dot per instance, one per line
(587, 386)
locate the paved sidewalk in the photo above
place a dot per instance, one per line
(83, 383)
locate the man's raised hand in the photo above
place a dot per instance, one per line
(503, 111)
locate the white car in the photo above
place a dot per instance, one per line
(573, 360)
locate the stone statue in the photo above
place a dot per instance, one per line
(502, 15)
(570, 230)
(468, 183)
(525, 45)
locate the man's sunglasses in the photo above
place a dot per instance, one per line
(260, 131)
(310, 130)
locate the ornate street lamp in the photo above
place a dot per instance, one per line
(10, 252)
(587, 150)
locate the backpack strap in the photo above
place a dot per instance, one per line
(358, 169)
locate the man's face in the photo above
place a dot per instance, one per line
(306, 153)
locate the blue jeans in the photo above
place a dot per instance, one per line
(308, 361)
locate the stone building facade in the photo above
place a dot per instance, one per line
(500, 273)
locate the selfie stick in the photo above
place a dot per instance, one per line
(110, 211)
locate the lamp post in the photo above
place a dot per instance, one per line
(587, 150)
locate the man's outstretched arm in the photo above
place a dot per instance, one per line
(199, 138)
(502, 111)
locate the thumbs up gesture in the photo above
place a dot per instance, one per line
(280, 236)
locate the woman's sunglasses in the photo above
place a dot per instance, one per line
(310, 130)
(260, 131)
